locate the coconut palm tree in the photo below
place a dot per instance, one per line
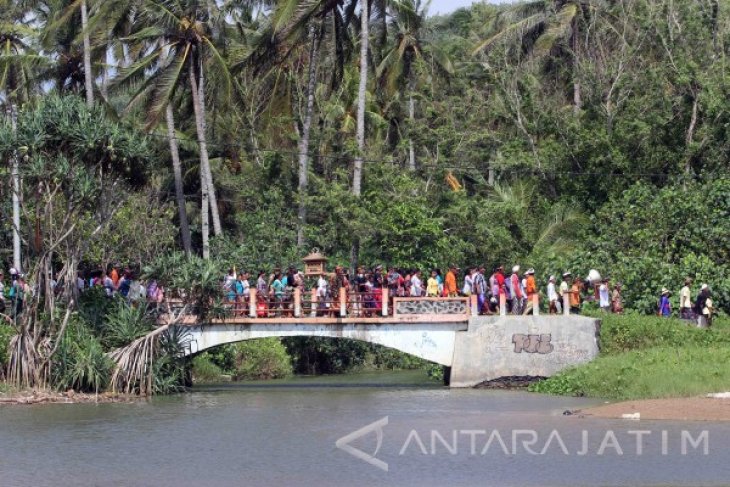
(178, 49)
(60, 14)
(19, 64)
(396, 70)
(535, 28)
(298, 22)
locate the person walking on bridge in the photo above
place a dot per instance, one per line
(515, 290)
(575, 296)
(480, 289)
(555, 306)
(450, 287)
(432, 286)
(530, 291)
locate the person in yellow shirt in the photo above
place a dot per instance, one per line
(432, 286)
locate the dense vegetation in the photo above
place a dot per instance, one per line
(560, 135)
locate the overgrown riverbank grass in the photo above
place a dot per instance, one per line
(642, 374)
(649, 357)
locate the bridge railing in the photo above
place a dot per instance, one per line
(348, 304)
(344, 304)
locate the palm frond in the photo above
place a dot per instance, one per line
(558, 28)
(511, 32)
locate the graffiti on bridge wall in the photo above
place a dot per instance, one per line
(532, 343)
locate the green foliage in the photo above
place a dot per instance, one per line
(649, 238)
(124, 324)
(262, 359)
(204, 369)
(223, 357)
(621, 333)
(6, 333)
(80, 362)
(436, 372)
(170, 369)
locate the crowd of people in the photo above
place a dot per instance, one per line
(13, 295)
(700, 310)
(364, 290)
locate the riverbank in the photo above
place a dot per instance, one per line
(645, 357)
(28, 397)
(675, 409)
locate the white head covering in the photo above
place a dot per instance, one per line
(516, 268)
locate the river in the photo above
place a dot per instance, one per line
(284, 433)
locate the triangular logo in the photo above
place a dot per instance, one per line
(376, 427)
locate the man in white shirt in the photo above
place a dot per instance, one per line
(416, 285)
(685, 301)
(604, 297)
(553, 298)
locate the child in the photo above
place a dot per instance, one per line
(432, 286)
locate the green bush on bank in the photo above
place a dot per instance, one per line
(204, 369)
(262, 359)
(6, 333)
(81, 362)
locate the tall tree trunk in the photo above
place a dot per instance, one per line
(217, 228)
(361, 93)
(177, 171)
(204, 164)
(412, 118)
(88, 79)
(690, 137)
(16, 196)
(304, 140)
(577, 102)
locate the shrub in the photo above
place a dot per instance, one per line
(262, 359)
(204, 370)
(81, 362)
(124, 324)
(6, 333)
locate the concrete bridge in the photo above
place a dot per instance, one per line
(444, 331)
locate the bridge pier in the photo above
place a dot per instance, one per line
(540, 346)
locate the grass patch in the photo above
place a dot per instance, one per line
(623, 333)
(640, 374)
(649, 357)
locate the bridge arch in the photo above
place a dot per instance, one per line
(430, 341)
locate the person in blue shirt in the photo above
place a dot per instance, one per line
(665, 307)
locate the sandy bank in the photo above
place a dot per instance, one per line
(681, 409)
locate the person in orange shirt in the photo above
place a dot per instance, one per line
(450, 288)
(115, 276)
(530, 290)
(575, 291)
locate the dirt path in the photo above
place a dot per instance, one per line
(685, 409)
